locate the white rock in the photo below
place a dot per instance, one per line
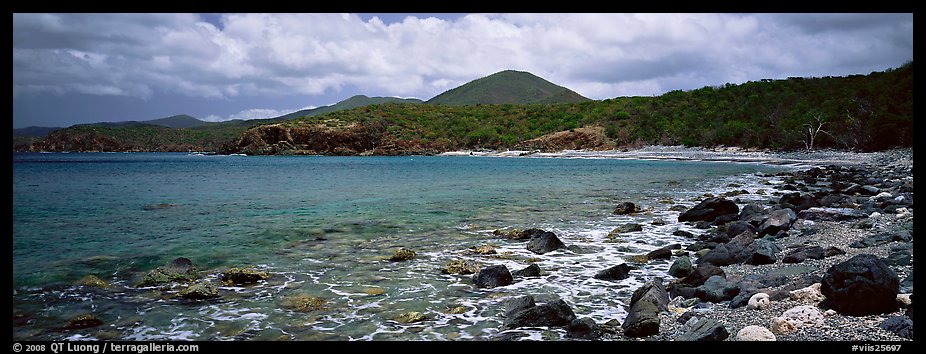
(882, 195)
(781, 326)
(875, 215)
(755, 333)
(803, 316)
(759, 301)
(899, 199)
(904, 300)
(808, 295)
(830, 312)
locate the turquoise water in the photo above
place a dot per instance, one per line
(323, 227)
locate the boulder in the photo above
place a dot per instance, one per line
(739, 227)
(759, 301)
(518, 304)
(863, 285)
(832, 251)
(902, 326)
(630, 227)
(519, 235)
(704, 329)
(683, 233)
(663, 252)
(710, 210)
(754, 333)
(460, 266)
(532, 270)
(798, 255)
(831, 214)
(645, 304)
(244, 275)
(752, 213)
(882, 239)
(545, 242)
(781, 326)
(717, 289)
(615, 273)
(583, 328)
(493, 276)
(402, 254)
(766, 252)
(199, 291)
(778, 220)
(808, 295)
(625, 208)
(798, 202)
(553, 313)
(681, 267)
(700, 274)
(803, 316)
(719, 256)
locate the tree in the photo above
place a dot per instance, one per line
(813, 128)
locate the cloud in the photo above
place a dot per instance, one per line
(254, 113)
(598, 55)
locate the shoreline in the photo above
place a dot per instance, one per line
(682, 153)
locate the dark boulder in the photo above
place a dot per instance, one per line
(645, 304)
(831, 214)
(615, 273)
(685, 291)
(545, 242)
(798, 255)
(719, 256)
(777, 220)
(551, 314)
(700, 274)
(863, 285)
(832, 251)
(625, 208)
(83, 321)
(518, 304)
(664, 252)
(901, 255)
(906, 286)
(766, 252)
(710, 210)
(519, 235)
(902, 326)
(797, 201)
(493, 276)
(717, 289)
(532, 270)
(631, 227)
(752, 213)
(683, 233)
(681, 267)
(739, 227)
(882, 239)
(704, 329)
(583, 328)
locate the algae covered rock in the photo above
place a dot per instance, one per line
(303, 303)
(180, 269)
(458, 266)
(244, 275)
(402, 254)
(83, 321)
(199, 291)
(92, 281)
(411, 317)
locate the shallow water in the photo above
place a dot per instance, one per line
(323, 226)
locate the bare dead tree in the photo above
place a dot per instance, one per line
(814, 128)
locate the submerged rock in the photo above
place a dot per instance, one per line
(519, 235)
(615, 273)
(493, 276)
(303, 303)
(484, 249)
(863, 285)
(459, 266)
(411, 317)
(244, 275)
(625, 208)
(532, 270)
(180, 269)
(92, 281)
(199, 291)
(402, 254)
(83, 321)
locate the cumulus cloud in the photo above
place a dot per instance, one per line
(254, 113)
(598, 55)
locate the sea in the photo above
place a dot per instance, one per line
(325, 226)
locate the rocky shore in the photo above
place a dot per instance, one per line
(828, 257)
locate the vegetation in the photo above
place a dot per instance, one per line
(869, 112)
(508, 87)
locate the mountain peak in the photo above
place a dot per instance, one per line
(508, 86)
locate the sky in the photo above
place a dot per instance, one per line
(84, 68)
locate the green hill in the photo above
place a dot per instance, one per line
(178, 121)
(34, 131)
(509, 86)
(353, 102)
